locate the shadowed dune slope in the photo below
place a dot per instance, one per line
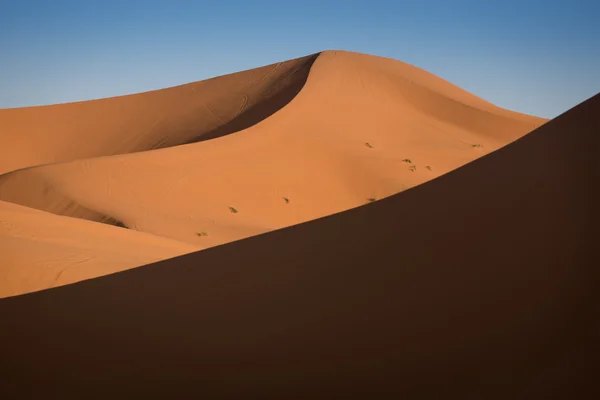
(188, 113)
(362, 128)
(478, 284)
(39, 250)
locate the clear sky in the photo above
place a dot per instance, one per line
(535, 56)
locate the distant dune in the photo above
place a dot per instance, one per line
(161, 118)
(289, 143)
(477, 284)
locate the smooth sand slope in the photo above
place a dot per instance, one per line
(478, 284)
(360, 128)
(40, 250)
(162, 118)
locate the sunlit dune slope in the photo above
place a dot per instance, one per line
(478, 284)
(162, 118)
(361, 128)
(39, 250)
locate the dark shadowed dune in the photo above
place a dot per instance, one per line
(478, 284)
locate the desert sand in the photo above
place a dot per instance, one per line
(43, 250)
(216, 161)
(156, 119)
(480, 283)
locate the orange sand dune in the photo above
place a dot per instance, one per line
(360, 129)
(478, 284)
(161, 118)
(41, 250)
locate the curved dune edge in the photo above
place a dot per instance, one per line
(361, 128)
(157, 119)
(478, 283)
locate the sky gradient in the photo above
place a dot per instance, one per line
(533, 56)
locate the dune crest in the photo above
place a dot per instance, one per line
(161, 118)
(353, 129)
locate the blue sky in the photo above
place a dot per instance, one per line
(534, 56)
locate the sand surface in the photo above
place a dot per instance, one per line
(41, 250)
(188, 113)
(216, 161)
(480, 284)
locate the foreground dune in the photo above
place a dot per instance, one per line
(478, 284)
(353, 129)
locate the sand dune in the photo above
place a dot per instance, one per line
(41, 250)
(353, 128)
(162, 118)
(477, 284)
